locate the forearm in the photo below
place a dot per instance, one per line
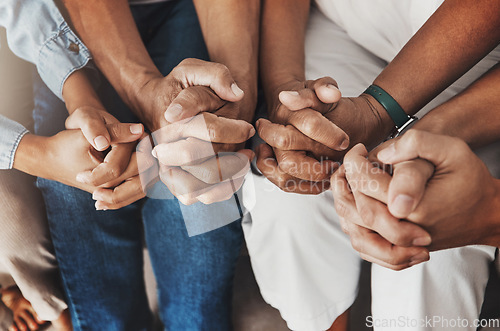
(282, 43)
(231, 32)
(109, 30)
(454, 39)
(29, 154)
(472, 115)
(78, 92)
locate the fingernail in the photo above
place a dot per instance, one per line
(236, 90)
(402, 205)
(81, 178)
(344, 144)
(101, 143)
(333, 87)
(422, 241)
(96, 196)
(419, 258)
(153, 152)
(387, 154)
(257, 124)
(173, 112)
(252, 132)
(293, 93)
(136, 128)
(100, 206)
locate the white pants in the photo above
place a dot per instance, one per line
(304, 265)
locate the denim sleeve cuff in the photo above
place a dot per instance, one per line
(10, 136)
(60, 56)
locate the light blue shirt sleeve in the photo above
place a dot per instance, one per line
(38, 33)
(11, 134)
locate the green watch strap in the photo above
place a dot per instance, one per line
(397, 114)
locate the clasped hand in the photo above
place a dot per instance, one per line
(439, 196)
(310, 128)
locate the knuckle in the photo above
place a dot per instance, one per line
(408, 172)
(341, 208)
(397, 238)
(395, 260)
(368, 216)
(113, 170)
(94, 181)
(213, 131)
(282, 141)
(356, 243)
(187, 156)
(413, 137)
(221, 69)
(397, 267)
(185, 62)
(310, 123)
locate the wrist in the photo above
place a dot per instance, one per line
(143, 99)
(273, 91)
(30, 154)
(380, 123)
(276, 82)
(78, 92)
(137, 91)
(249, 102)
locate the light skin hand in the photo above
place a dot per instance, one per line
(438, 183)
(64, 156)
(195, 170)
(360, 194)
(98, 126)
(458, 205)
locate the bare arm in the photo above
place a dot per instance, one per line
(231, 32)
(472, 115)
(109, 31)
(282, 47)
(457, 36)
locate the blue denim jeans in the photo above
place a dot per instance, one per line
(100, 252)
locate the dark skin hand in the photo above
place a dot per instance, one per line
(193, 86)
(439, 58)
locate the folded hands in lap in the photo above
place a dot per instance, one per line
(439, 196)
(199, 137)
(310, 128)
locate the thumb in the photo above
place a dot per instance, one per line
(420, 144)
(125, 132)
(92, 126)
(217, 76)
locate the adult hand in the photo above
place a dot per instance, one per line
(67, 154)
(155, 97)
(192, 164)
(303, 132)
(200, 149)
(360, 195)
(102, 130)
(438, 183)
(457, 203)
